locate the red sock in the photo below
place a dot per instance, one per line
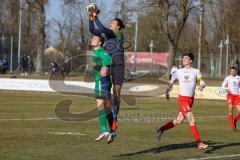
(236, 118)
(195, 133)
(167, 126)
(230, 117)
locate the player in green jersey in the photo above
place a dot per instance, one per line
(102, 62)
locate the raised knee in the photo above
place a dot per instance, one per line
(192, 122)
(177, 122)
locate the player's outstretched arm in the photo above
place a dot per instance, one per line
(93, 30)
(200, 80)
(172, 81)
(168, 89)
(202, 83)
(109, 33)
(225, 85)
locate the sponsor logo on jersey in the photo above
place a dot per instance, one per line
(186, 77)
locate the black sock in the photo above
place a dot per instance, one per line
(116, 105)
(109, 114)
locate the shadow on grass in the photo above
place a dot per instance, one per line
(213, 146)
(218, 146)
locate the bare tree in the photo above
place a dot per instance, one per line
(124, 10)
(173, 15)
(223, 19)
(71, 29)
(39, 5)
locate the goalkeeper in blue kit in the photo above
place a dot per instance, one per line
(113, 44)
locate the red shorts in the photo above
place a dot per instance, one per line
(233, 99)
(185, 104)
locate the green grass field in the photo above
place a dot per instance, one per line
(29, 127)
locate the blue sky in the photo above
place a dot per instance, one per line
(54, 11)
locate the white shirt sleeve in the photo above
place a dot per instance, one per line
(172, 71)
(225, 83)
(174, 77)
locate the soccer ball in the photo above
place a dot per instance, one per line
(92, 7)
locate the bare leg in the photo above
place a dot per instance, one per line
(172, 123)
(194, 130)
(179, 119)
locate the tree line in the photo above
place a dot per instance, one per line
(173, 25)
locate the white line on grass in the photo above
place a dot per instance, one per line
(28, 119)
(40, 119)
(210, 117)
(7, 116)
(12, 119)
(217, 157)
(55, 118)
(67, 133)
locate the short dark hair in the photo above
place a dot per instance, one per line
(119, 23)
(190, 55)
(233, 68)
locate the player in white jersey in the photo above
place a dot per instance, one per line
(187, 78)
(231, 85)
